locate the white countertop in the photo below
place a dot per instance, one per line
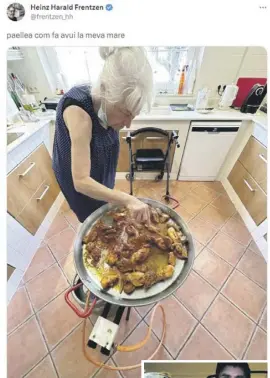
(193, 115)
(226, 115)
(261, 119)
(28, 129)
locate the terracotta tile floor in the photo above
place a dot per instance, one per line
(218, 313)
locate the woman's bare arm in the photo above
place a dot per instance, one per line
(79, 125)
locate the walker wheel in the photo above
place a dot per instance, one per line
(159, 177)
(167, 199)
(128, 177)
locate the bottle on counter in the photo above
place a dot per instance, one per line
(182, 80)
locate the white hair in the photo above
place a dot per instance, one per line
(126, 78)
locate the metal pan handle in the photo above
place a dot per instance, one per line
(87, 312)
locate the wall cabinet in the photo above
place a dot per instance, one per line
(249, 179)
(32, 189)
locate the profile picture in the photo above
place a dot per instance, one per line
(15, 11)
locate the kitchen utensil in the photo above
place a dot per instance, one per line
(228, 96)
(110, 297)
(202, 98)
(245, 84)
(254, 99)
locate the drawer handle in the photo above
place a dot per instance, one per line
(248, 185)
(47, 187)
(27, 170)
(263, 158)
(154, 138)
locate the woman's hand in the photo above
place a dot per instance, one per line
(139, 210)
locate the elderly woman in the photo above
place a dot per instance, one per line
(86, 144)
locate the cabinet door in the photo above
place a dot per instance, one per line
(250, 193)
(254, 159)
(30, 205)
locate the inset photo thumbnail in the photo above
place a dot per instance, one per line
(177, 369)
(15, 11)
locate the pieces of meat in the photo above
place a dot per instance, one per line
(159, 211)
(94, 252)
(164, 218)
(141, 268)
(136, 278)
(90, 237)
(109, 280)
(163, 243)
(154, 215)
(171, 259)
(140, 256)
(152, 228)
(126, 254)
(119, 216)
(124, 265)
(180, 251)
(172, 234)
(128, 287)
(131, 231)
(165, 273)
(111, 258)
(150, 279)
(171, 223)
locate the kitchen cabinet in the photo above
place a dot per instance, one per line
(32, 189)
(248, 178)
(149, 140)
(250, 193)
(254, 159)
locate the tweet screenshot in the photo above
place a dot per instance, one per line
(134, 206)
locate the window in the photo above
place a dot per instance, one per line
(79, 65)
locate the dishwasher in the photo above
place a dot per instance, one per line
(207, 146)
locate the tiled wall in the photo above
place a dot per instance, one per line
(21, 245)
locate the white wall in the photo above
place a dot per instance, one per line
(224, 65)
(31, 72)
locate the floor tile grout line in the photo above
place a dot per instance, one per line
(158, 339)
(67, 335)
(187, 340)
(32, 368)
(243, 312)
(19, 326)
(49, 266)
(231, 264)
(234, 266)
(53, 363)
(220, 293)
(52, 299)
(32, 307)
(215, 338)
(59, 342)
(249, 341)
(264, 309)
(60, 232)
(41, 330)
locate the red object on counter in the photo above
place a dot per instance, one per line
(245, 84)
